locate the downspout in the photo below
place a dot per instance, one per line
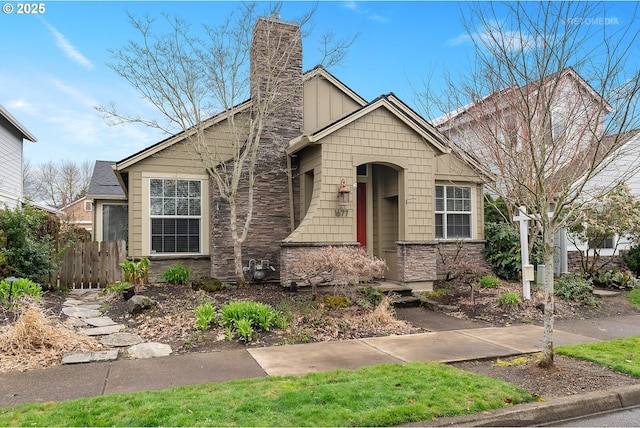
(290, 180)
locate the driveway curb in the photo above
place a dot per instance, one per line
(539, 413)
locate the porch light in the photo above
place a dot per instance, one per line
(343, 194)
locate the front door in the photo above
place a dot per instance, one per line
(361, 214)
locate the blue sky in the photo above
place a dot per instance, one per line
(54, 64)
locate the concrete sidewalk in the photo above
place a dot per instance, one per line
(102, 378)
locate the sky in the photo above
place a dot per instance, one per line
(54, 70)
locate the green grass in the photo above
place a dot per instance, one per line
(634, 297)
(622, 355)
(371, 396)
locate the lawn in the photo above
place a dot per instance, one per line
(371, 396)
(622, 355)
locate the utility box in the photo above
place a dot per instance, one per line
(528, 273)
(541, 274)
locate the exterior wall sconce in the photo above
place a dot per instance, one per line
(343, 199)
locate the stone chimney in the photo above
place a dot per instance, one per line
(276, 73)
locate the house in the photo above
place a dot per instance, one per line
(409, 188)
(619, 168)
(78, 214)
(569, 117)
(109, 205)
(12, 136)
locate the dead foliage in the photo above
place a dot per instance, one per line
(37, 339)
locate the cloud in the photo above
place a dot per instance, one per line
(68, 49)
(493, 36)
(367, 13)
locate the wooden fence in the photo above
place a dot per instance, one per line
(91, 264)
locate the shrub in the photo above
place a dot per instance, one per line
(205, 315)
(27, 252)
(20, 287)
(136, 273)
(340, 266)
(509, 299)
(178, 274)
(489, 281)
(456, 264)
(575, 287)
(502, 250)
(116, 288)
(207, 284)
(336, 301)
(632, 259)
(260, 316)
(615, 279)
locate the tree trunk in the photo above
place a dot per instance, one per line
(547, 257)
(237, 244)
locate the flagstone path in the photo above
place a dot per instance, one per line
(83, 309)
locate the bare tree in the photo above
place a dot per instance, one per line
(57, 183)
(549, 83)
(188, 78)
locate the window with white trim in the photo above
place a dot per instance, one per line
(453, 212)
(176, 215)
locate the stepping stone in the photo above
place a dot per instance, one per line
(75, 322)
(75, 311)
(91, 306)
(72, 302)
(110, 355)
(99, 321)
(121, 339)
(76, 357)
(101, 331)
(149, 350)
(605, 293)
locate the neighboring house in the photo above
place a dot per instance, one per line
(12, 136)
(576, 114)
(109, 205)
(79, 213)
(409, 188)
(620, 168)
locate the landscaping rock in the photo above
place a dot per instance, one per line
(139, 303)
(101, 331)
(99, 321)
(149, 350)
(129, 292)
(121, 339)
(80, 312)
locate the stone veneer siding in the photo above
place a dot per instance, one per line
(609, 262)
(416, 262)
(271, 211)
(200, 266)
(473, 249)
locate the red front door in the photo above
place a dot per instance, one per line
(361, 214)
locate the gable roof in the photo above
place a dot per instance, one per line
(315, 72)
(391, 103)
(17, 125)
(320, 71)
(104, 184)
(442, 122)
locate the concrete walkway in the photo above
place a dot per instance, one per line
(125, 375)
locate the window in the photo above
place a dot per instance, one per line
(115, 222)
(601, 242)
(453, 212)
(175, 210)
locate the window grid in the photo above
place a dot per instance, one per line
(175, 211)
(453, 212)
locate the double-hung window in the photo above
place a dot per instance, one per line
(453, 212)
(176, 215)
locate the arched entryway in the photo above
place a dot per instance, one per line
(379, 215)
